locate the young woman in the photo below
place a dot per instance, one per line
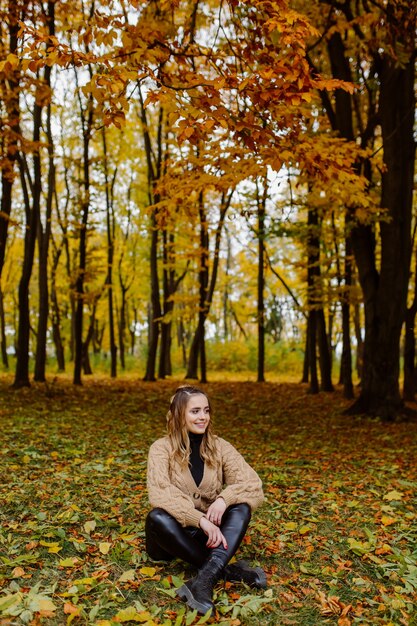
(202, 493)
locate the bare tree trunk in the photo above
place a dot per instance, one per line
(86, 343)
(206, 290)
(56, 314)
(346, 363)
(154, 173)
(261, 202)
(86, 116)
(155, 308)
(203, 285)
(306, 360)
(324, 352)
(317, 327)
(122, 325)
(312, 352)
(3, 341)
(9, 148)
(386, 291)
(44, 232)
(32, 219)
(110, 222)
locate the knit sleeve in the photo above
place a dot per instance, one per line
(163, 493)
(242, 483)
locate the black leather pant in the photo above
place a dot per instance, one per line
(166, 539)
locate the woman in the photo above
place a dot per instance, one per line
(202, 493)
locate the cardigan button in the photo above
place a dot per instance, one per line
(196, 495)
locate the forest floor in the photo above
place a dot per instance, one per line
(337, 534)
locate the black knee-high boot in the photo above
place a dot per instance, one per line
(198, 591)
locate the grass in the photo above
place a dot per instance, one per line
(336, 535)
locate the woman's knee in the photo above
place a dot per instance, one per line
(159, 520)
(157, 516)
(243, 510)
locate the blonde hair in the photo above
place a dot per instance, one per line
(177, 429)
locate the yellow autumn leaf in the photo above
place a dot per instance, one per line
(89, 526)
(46, 605)
(104, 547)
(388, 521)
(130, 614)
(53, 546)
(147, 571)
(70, 562)
(41, 603)
(128, 575)
(89, 580)
(393, 495)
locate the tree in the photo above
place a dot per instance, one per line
(31, 183)
(87, 120)
(261, 198)
(10, 77)
(110, 227)
(44, 230)
(206, 282)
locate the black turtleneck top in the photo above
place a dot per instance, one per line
(196, 462)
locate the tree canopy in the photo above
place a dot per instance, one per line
(180, 173)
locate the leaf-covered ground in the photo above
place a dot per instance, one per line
(337, 535)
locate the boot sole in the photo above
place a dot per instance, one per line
(185, 594)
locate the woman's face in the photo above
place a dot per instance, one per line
(197, 414)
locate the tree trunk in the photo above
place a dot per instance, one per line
(261, 202)
(168, 286)
(306, 360)
(317, 326)
(9, 148)
(312, 353)
(122, 325)
(32, 220)
(203, 284)
(324, 352)
(346, 361)
(409, 354)
(359, 340)
(56, 314)
(86, 343)
(409, 384)
(206, 291)
(87, 124)
(154, 173)
(3, 341)
(155, 305)
(44, 233)
(110, 223)
(386, 293)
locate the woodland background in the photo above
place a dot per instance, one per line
(210, 184)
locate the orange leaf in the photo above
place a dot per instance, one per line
(71, 609)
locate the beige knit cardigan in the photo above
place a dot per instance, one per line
(172, 487)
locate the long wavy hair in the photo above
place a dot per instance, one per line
(177, 429)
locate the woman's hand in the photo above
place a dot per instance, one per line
(216, 510)
(213, 532)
